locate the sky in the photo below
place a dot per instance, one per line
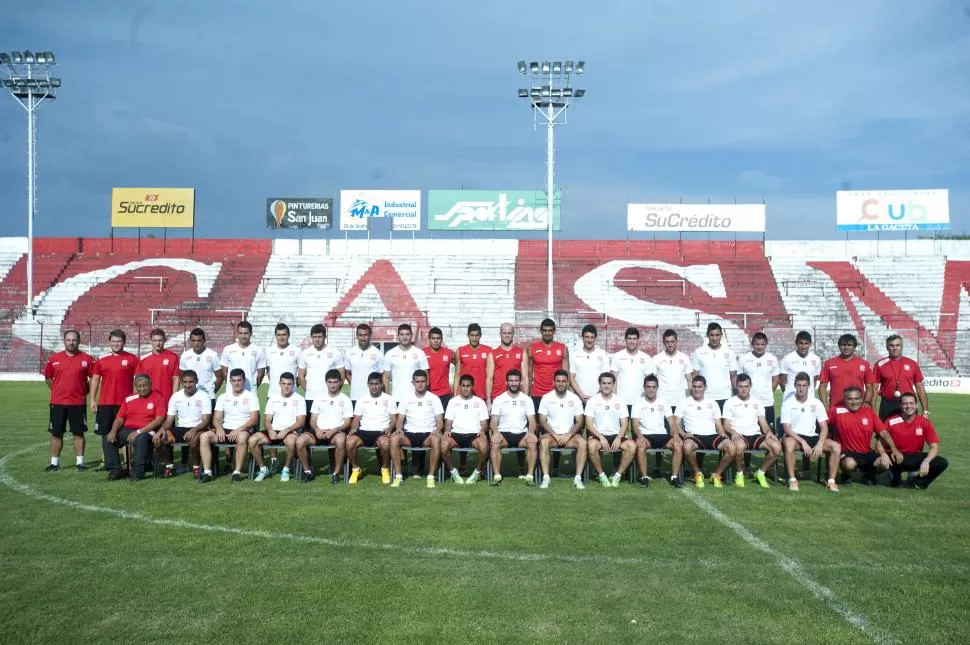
(687, 100)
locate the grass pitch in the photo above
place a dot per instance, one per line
(88, 561)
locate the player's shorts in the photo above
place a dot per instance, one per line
(309, 406)
(862, 459)
(62, 415)
(753, 441)
(536, 400)
(657, 440)
(812, 441)
(104, 418)
(770, 416)
(889, 407)
(464, 440)
(369, 437)
(720, 403)
(513, 438)
(444, 398)
(314, 441)
(271, 442)
(248, 433)
(177, 434)
(708, 441)
(417, 439)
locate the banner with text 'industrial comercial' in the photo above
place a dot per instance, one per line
(696, 218)
(299, 212)
(491, 210)
(152, 207)
(892, 210)
(358, 206)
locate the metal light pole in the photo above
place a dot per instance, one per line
(549, 99)
(30, 82)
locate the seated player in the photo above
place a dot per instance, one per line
(854, 425)
(285, 416)
(513, 424)
(651, 418)
(235, 419)
(606, 427)
(466, 421)
(330, 419)
(371, 428)
(699, 426)
(911, 433)
(139, 416)
(806, 428)
(189, 415)
(561, 421)
(420, 418)
(745, 422)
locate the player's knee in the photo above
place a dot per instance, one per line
(849, 464)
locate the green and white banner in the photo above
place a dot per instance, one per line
(491, 210)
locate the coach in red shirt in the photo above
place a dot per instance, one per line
(844, 371)
(161, 366)
(111, 382)
(140, 416)
(896, 374)
(912, 433)
(67, 375)
(855, 425)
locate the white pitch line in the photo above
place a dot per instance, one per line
(796, 571)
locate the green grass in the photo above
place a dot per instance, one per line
(901, 558)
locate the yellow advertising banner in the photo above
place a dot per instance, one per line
(152, 207)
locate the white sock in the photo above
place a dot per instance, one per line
(55, 461)
(286, 469)
(760, 472)
(454, 471)
(236, 472)
(831, 481)
(399, 476)
(170, 465)
(79, 460)
(207, 472)
(264, 469)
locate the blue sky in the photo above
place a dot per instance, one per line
(690, 99)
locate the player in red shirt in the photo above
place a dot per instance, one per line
(854, 425)
(844, 371)
(440, 360)
(896, 374)
(111, 383)
(503, 358)
(543, 359)
(472, 359)
(911, 433)
(140, 415)
(67, 375)
(161, 365)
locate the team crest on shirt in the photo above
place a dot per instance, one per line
(725, 354)
(165, 361)
(862, 368)
(569, 403)
(124, 362)
(197, 359)
(919, 432)
(905, 368)
(444, 359)
(865, 422)
(83, 363)
(420, 403)
(373, 357)
(558, 352)
(642, 361)
(198, 404)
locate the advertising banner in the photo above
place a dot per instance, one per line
(152, 207)
(299, 212)
(892, 210)
(947, 385)
(357, 206)
(491, 210)
(696, 218)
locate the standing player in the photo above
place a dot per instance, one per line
(806, 427)
(763, 369)
(699, 426)
(245, 356)
(361, 360)
(630, 365)
(400, 364)
(844, 371)
(503, 358)
(911, 433)
(440, 361)
(472, 360)
(674, 372)
(543, 359)
(112, 381)
(561, 419)
(717, 363)
(189, 415)
(236, 418)
(371, 428)
(204, 362)
(586, 363)
(652, 419)
(745, 423)
(281, 358)
(330, 419)
(466, 421)
(513, 425)
(161, 366)
(139, 417)
(67, 374)
(803, 359)
(420, 419)
(606, 427)
(895, 375)
(855, 424)
(285, 415)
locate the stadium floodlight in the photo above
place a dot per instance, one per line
(549, 99)
(30, 83)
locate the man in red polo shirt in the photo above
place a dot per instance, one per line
(111, 383)
(141, 414)
(543, 359)
(896, 374)
(844, 371)
(472, 360)
(67, 376)
(854, 425)
(911, 433)
(503, 358)
(440, 360)
(161, 365)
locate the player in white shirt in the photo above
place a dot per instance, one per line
(805, 423)
(607, 421)
(361, 360)
(204, 362)
(315, 362)
(561, 421)
(236, 417)
(674, 372)
(189, 414)
(284, 418)
(652, 420)
(763, 368)
(400, 364)
(699, 426)
(466, 421)
(630, 365)
(330, 419)
(420, 419)
(803, 359)
(744, 421)
(513, 424)
(245, 356)
(371, 428)
(717, 363)
(281, 357)
(586, 363)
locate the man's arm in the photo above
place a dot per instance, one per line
(719, 426)
(921, 395)
(94, 391)
(250, 422)
(894, 451)
(386, 379)
(489, 376)
(526, 369)
(782, 381)
(268, 424)
(493, 425)
(823, 394)
(565, 358)
(454, 385)
(924, 467)
(118, 423)
(765, 428)
(301, 379)
(299, 423)
(734, 381)
(220, 375)
(439, 422)
(574, 386)
(355, 424)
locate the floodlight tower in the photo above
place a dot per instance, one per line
(550, 96)
(30, 82)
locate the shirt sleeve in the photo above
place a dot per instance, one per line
(589, 410)
(786, 412)
(544, 402)
(776, 369)
(221, 403)
(160, 407)
(224, 359)
(530, 406)
(823, 375)
(172, 407)
(733, 363)
(301, 361)
(877, 425)
(679, 412)
(348, 409)
(450, 412)
(206, 405)
(930, 435)
(917, 374)
(261, 359)
(123, 411)
(423, 360)
(253, 403)
(483, 415)
(49, 369)
(871, 378)
(695, 362)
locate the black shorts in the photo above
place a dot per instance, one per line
(629, 412)
(657, 440)
(179, 434)
(271, 442)
(889, 407)
(463, 440)
(318, 442)
(62, 415)
(753, 441)
(445, 398)
(811, 441)
(249, 433)
(708, 441)
(417, 439)
(513, 438)
(309, 406)
(720, 403)
(104, 418)
(863, 460)
(369, 437)
(770, 416)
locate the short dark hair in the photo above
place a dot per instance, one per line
(561, 373)
(803, 377)
(436, 330)
(117, 333)
(699, 379)
(547, 322)
(714, 327)
(237, 372)
(513, 372)
(851, 388)
(651, 378)
(374, 376)
(892, 338)
(848, 338)
(245, 324)
(608, 375)
(404, 327)
(466, 378)
(670, 333)
(282, 327)
(331, 374)
(71, 331)
(474, 327)
(588, 329)
(803, 335)
(631, 331)
(191, 374)
(743, 378)
(760, 336)
(365, 327)
(318, 329)
(158, 331)
(908, 395)
(421, 373)
(287, 376)
(198, 331)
